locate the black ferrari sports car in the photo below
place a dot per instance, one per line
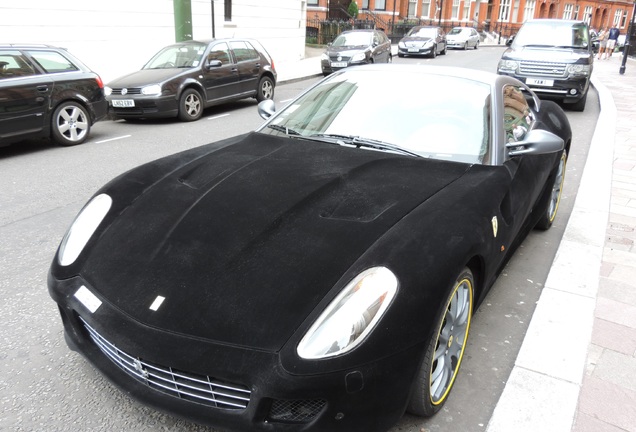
(320, 273)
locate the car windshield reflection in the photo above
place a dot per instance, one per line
(426, 32)
(552, 34)
(353, 39)
(178, 56)
(447, 120)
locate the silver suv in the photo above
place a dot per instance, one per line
(554, 58)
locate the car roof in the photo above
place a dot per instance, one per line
(27, 45)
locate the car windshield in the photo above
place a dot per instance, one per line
(422, 32)
(178, 56)
(446, 119)
(353, 39)
(457, 31)
(552, 33)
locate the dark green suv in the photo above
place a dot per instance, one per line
(554, 58)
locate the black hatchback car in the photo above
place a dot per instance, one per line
(356, 47)
(47, 92)
(183, 79)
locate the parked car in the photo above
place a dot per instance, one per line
(183, 79)
(423, 40)
(47, 92)
(463, 37)
(320, 273)
(554, 58)
(356, 47)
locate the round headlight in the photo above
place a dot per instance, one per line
(351, 316)
(83, 228)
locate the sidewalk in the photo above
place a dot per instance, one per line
(576, 370)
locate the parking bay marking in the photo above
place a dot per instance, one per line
(218, 117)
(113, 139)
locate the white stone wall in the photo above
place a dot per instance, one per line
(115, 37)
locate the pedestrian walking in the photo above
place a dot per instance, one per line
(611, 41)
(602, 40)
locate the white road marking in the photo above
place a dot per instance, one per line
(286, 100)
(218, 117)
(113, 139)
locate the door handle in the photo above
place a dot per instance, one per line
(42, 88)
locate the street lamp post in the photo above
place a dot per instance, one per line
(627, 38)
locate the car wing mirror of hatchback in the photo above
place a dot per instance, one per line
(214, 64)
(537, 141)
(266, 108)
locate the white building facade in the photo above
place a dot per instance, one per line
(116, 37)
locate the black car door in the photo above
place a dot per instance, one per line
(248, 62)
(24, 97)
(528, 173)
(220, 73)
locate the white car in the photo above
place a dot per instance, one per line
(463, 37)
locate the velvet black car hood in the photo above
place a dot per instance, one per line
(244, 241)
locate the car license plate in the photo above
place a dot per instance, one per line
(338, 64)
(414, 50)
(541, 82)
(123, 103)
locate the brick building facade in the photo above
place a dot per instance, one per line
(482, 14)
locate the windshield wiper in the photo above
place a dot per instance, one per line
(362, 142)
(283, 129)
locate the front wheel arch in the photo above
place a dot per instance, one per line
(445, 349)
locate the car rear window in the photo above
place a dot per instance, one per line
(243, 51)
(52, 61)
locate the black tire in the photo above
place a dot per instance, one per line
(389, 59)
(440, 364)
(190, 105)
(70, 124)
(434, 52)
(477, 45)
(553, 195)
(579, 105)
(444, 50)
(465, 46)
(265, 89)
(400, 55)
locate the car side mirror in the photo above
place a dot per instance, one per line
(214, 64)
(537, 141)
(266, 108)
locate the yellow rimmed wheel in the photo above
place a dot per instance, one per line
(445, 350)
(552, 206)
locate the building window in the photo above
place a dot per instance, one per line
(567, 12)
(504, 11)
(624, 20)
(412, 8)
(312, 2)
(466, 10)
(380, 4)
(455, 11)
(587, 14)
(365, 4)
(426, 8)
(528, 11)
(576, 12)
(228, 10)
(617, 17)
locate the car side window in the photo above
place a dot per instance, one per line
(243, 51)
(52, 62)
(13, 65)
(518, 118)
(220, 52)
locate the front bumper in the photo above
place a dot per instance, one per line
(415, 51)
(369, 397)
(567, 90)
(145, 107)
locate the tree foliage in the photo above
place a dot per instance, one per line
(353, 9)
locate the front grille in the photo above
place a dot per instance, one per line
(334, 57)
(543, 69)
(183, 385)
(129, 91)
(295, 411)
